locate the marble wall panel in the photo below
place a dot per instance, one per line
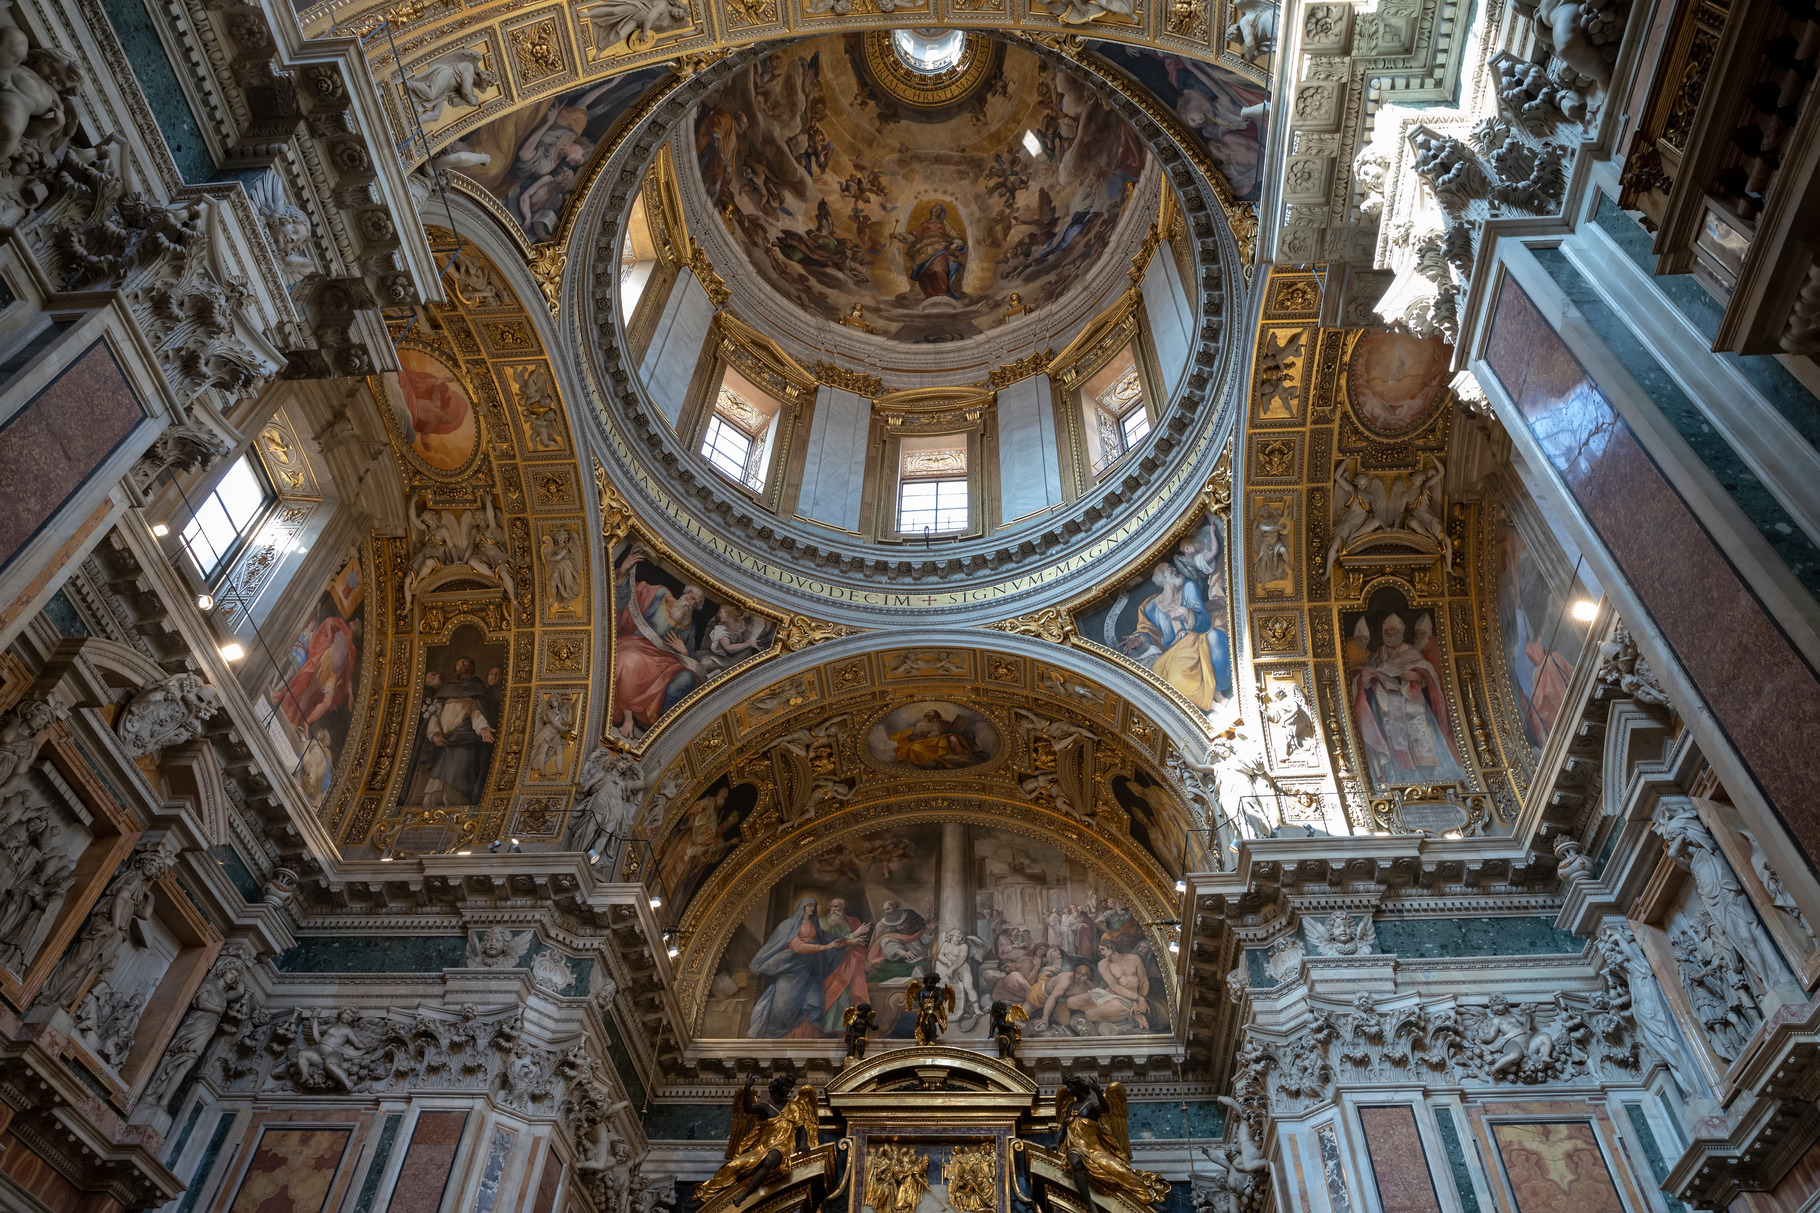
(1398, 1161)
(1556, 1166)
(386, 954)
(1478, 937)
(51, 444)
(424, 1173)
(292, 1170)
(675, 348)
(1761, 691)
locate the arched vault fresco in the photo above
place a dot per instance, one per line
(864, 733)
(479, 619)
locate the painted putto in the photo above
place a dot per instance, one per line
(999, 917)
(843, 193)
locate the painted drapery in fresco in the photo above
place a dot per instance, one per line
(1399, 698)
(315, 694)
(1004, 916)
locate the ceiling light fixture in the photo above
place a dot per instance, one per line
(1585, 610)
(464, 852)
(205, 602)
(657, 902)
(160, 530)
(232, 652)
(1181, 886)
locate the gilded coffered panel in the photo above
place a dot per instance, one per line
(480, 619)
(1367, 572)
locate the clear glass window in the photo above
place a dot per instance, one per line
(928, 52)
(225, 515)
(728, 449)
(1113, 400)
(939, 505)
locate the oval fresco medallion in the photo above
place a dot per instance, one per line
(1395, 379)
(431, 409)
(932, 735)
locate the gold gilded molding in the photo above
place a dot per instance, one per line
(799, 632)
(547, 264)
(615, 514)
(1049, 624)
(711, 282)
(1023, 368)
(761, 359)
(1098, 341)
(857, 382)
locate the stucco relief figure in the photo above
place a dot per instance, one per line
(37, 118)
(19, 744)
(457, 80)
(1254, 26)
(1631, 984)
(634, 22)
(327, 1056)
(1779, 896)
(563, 558)
(219, 999)
(1235, 1166)
(1339, 935)
(1691, 846)
(112, 928)
(1096, 1142)
(1361, 504)
(1399, 702)
(759, 1145)
(1728, 1015)
(167, 713)
(497, 948)
(555, 728)
(1270, 541)
(35, 873)
(609, 779)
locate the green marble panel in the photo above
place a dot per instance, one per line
(385, 954)
(1439, 938)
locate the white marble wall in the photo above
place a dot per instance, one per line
(1029, 469)
(675, 347)
(1171, 317)
(834, 472)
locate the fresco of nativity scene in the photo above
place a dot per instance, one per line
(921, 219)
(859, 921)
(671, 638)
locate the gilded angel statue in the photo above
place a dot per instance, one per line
(759, 1145)
(1096, 1141)
(931, 1004)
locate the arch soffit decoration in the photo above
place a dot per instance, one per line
(814, 726)
(485, 346)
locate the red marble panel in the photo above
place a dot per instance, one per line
(425, 1171)
(1761, 690)
(1398, 1161)
(1556, 1168)
(291, 1171)
(49, 447)
(546, 1184)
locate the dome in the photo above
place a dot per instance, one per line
(915, 181)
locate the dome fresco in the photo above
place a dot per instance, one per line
(851, 178)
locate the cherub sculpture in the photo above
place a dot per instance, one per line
(931, 1004)
(759, 1145)
(858, 1019)
(1096, 1141)
(1006, 1016)
(327, 1053)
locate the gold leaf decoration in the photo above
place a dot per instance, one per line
(799, 632)
(1047, 624)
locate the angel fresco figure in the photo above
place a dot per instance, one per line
(930, 1003)
(858, 1019)
(1096, 1142)
(760, 1145)
(1006, 1034)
